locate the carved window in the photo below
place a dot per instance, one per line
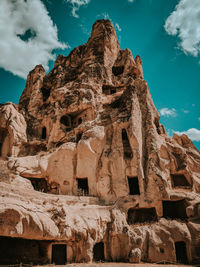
(142, 215)
(181, 252)
(117, 70)
(98, 251)
(126, 145)
(82, 184)
(45, 93)
(175, 209)
(44, 132)
(59, 254)
(133, 186)
(179, 180)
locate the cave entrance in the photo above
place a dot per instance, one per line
(79, 121)
(39, 184)
(59, 254)
(44, 132)
(78, 137)
(126, 145)
(66, 121)
(179, 180)
(83, 189)
(98, 251)
(181, 252)
(27, 251)
(175, 209)
(133, 186)
(117, 70)
(141, 215)
(45, 93)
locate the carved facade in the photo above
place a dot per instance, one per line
(92, 173)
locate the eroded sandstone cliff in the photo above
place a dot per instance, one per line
(88, 172)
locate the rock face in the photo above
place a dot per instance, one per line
(93, 174)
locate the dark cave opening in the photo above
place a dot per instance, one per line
(143, 215)
(79, 121)
(45, 93)
(65, 120)
(175, 209)
(126, 145)
(78, 137)
(181, 252)
(83, 189)
(44, 132)
(39, 184)
(133, 186)
(18, 250)
(156, 122)
(3, 134)
(98, 252)
(179, 180)
(117, 70)
(59, 254)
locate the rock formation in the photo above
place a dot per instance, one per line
(87, 171)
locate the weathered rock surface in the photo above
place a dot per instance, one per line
(113, 185)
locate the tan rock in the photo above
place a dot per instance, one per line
(98, 177)
(12, 130)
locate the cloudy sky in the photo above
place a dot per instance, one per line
(166, 34)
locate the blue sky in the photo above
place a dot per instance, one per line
(166, 34)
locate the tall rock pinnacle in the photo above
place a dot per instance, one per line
(89, 133)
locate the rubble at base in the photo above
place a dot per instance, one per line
(87, 172)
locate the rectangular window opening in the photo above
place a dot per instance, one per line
(83, 189)
(134, 188)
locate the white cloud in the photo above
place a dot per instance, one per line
(76, 4)
(185, 111)
(118, 27)
(166, 112)
(193, 134)
(199, 118)
(131, 1)
(16, 18)
(105, 16)
(184, 21)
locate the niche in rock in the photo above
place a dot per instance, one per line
(66, 121)
(45, 93)
(175, 209)
(78, 137)
(98, 251)
(83, 189)
(179, 180)
(133, 186)
(117, 70)
(126, 145)
(39, 184)
(143, 215)
(59, 254)
(4, 142)
(44, 132)
(156, 121)
(18, 250)
(79, 121)
(181, 252)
